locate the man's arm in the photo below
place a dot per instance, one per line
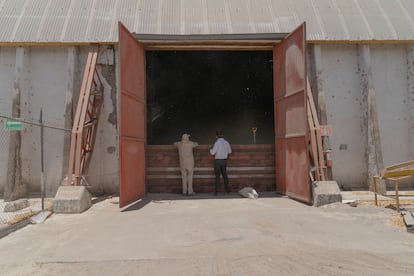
(213, 150)
(228, 148)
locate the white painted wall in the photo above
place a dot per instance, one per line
(389, 72)
(44, 88)
(43, 85)
(347, 108)
(345, 113)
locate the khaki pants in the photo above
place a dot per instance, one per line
(187, 177)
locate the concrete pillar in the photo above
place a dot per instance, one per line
(15, 188)
(321, 103)
(410, 78)
(72, 57)
(323, 117)
(373, 149)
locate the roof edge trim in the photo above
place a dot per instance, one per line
(244, 36)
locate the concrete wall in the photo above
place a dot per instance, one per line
(337, 71)
(50, 80)
(389, 72)
(338, 77)
(52, 76)
(104, 169)
(43, 88)
(7, 72)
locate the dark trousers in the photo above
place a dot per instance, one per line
(220, 167)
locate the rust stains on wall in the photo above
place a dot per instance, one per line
(108, 72)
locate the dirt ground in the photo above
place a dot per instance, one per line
(206, 235)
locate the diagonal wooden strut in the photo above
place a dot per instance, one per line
(86, 119)
(316, 150)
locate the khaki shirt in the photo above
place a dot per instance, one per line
(185, 151)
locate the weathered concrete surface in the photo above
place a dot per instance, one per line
(212, 236)
(373, 147)
(40, 217)
(325, 192)
(72, 199)
(7, 229)
(15, 187)
(16, 205)
(13, 221)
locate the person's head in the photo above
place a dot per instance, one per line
(185, 137)
(219, 134)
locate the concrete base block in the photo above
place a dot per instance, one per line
(16, 205)
(40, 217)
(325, 192)
(72, 199)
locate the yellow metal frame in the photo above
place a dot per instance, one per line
(395, 173)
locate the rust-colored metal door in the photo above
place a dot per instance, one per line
(132, 118)
(291, 129)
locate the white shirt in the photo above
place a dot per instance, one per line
(221, 149)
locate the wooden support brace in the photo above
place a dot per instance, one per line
(85, 122)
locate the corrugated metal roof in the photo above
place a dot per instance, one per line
(84, 21)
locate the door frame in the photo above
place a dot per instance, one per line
(291, 144)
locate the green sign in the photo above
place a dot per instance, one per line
(13, 124)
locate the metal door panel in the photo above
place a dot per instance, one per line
(132, 118)
(133, 113)
(291, 129)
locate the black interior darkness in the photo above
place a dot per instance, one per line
(199, 92)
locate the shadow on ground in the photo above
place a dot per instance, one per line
(164, 196)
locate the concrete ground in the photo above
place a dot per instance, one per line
(206, 235)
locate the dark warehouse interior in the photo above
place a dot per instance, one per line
(199, 92)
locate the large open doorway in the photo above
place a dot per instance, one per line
(290, 138)
(198, 92)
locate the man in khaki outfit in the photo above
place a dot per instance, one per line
(185, 151)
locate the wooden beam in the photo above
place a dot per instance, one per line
(399, 173)
(210, 42)
(321, 100)
(400, 165)
(314, 150)
(155, 47)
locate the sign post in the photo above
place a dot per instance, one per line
(42, 179)
(14, 124)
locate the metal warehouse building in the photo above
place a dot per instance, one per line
(167, 67)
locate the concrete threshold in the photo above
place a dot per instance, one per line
(6, 229)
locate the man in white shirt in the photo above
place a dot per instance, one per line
(185, 151)
(221, 150)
